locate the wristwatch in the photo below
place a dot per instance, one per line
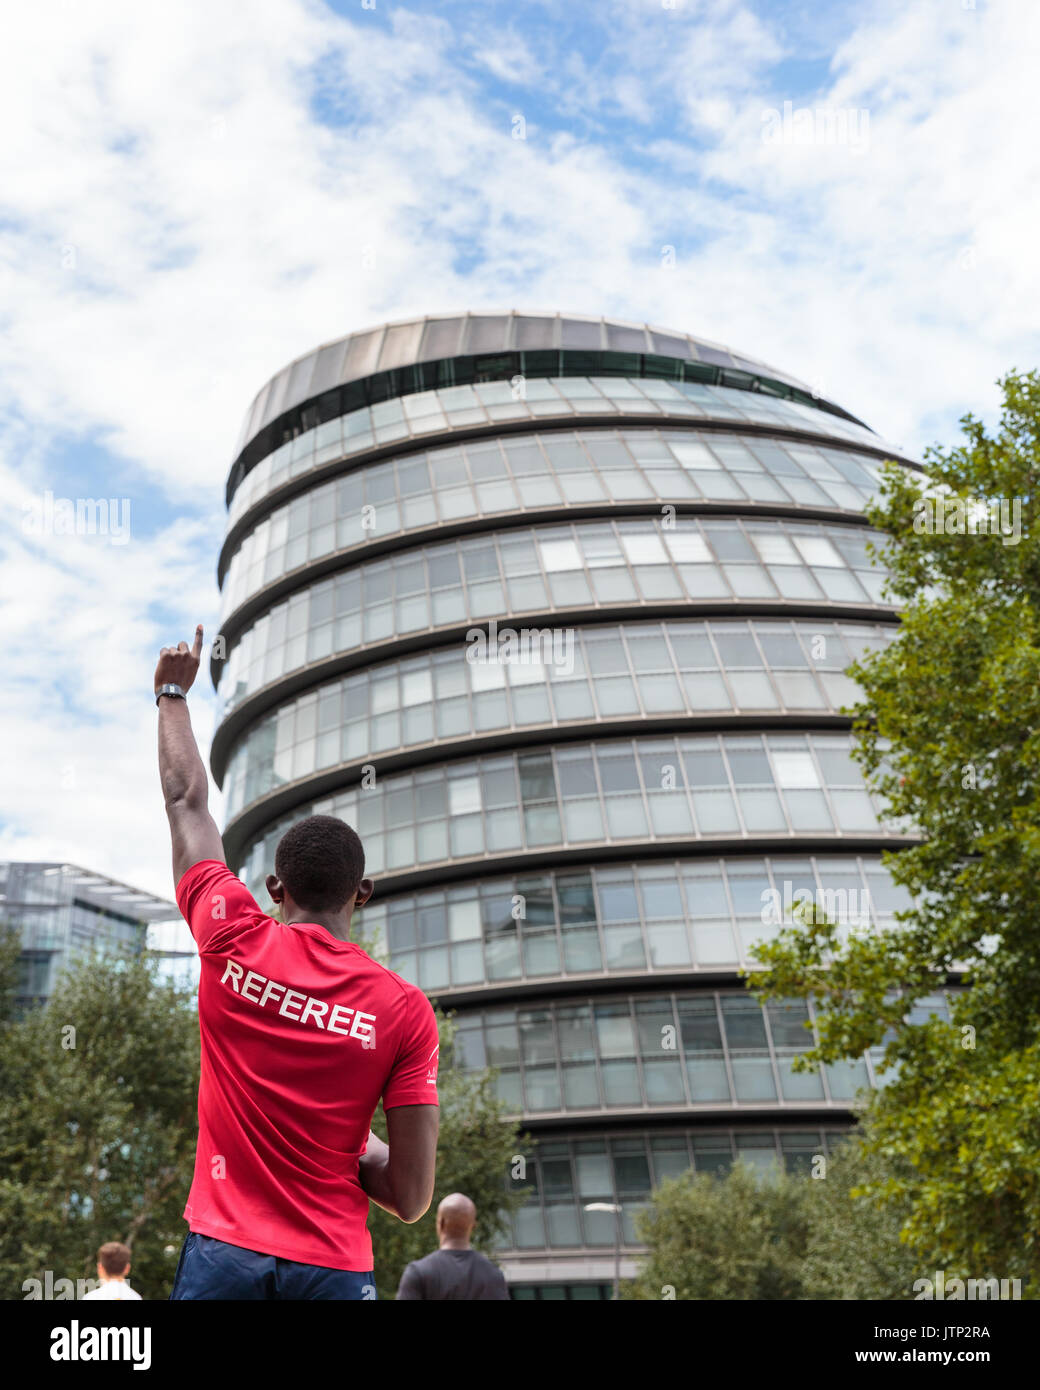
(174, 692)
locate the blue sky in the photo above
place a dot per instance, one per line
(189, 199)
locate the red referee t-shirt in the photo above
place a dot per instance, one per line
(302, 1034)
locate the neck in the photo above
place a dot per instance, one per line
(455, 1242)
(337, 924)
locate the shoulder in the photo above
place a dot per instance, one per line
(413, 1281)
(426, 1262)
(411, 996)
(418, 1003)
(210, 897)
(490, 1272)
(205, 871)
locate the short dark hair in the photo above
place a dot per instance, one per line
(114, 1258)
(320, 862)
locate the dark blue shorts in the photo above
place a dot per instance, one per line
(212, 1269)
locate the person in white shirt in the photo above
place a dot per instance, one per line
(113, 1265)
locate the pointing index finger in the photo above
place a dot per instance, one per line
(196, 649)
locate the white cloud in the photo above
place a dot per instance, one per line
(192, 200)
(508, 58)
(82, 619)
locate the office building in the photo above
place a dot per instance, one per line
(64, 913)
(556, 611)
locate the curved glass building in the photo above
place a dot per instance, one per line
(556, 611)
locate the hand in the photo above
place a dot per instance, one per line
(179, 666)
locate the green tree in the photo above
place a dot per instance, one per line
(778, 1235)
(949, 735)
(475, 1150)
(97, 1126)
(10, 951)
(737, 1237)
(854, 1250)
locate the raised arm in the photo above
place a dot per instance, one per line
(399, 1176)
(182, 773)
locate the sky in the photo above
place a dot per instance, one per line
(192, 195)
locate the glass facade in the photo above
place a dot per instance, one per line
(696, 915)
(536, 573)
(63, 913)
(558, 613)
(413, 420)
(604, 673)
(398, 359)
(565, 1175)
(582, 796)
(532, 472)
(657, 1051)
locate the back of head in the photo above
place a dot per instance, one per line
(114, 1258)
(456, 1216)
(320, 862)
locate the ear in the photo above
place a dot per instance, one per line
(275, 888)
(365, 890)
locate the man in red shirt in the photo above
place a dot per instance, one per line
(302, 1035)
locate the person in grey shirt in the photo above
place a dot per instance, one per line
(455, 1271)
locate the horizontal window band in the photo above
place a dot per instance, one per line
(443, 373)
(526, 861)
(304, 678)
(505, 522)
(505, 740)
(402, 449)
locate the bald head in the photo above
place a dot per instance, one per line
(456, 1217)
